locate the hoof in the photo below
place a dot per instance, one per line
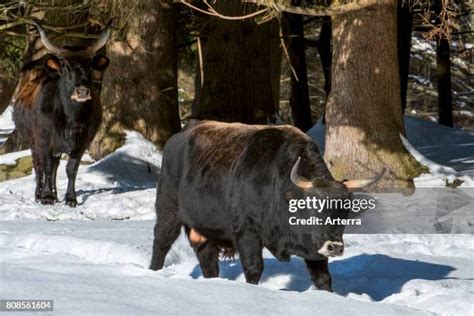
(71, 202)
(48, 200)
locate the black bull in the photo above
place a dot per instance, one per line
(56, 109)
(229, 184)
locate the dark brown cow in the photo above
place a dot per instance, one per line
(56, 109)
(229, 185)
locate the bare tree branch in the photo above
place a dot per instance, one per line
(315, 10)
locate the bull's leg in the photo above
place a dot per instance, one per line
(53, 177)
(250, 251)
(71, 171)
(47, 196)
(319, 271)
(208, 256)
(167, 229)
(39, 173)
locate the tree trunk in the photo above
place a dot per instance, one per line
(299, 96)
(443, 75)
(325, 56)
(241, 61)
(443, 72)
(139, 90)
(404, 26)
(7, 86)
(325, 51)
(364, 118)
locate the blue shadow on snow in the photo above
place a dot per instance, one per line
(378, 276)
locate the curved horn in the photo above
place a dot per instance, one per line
(298, 180)
(361, 183)
(103, 38)
(46, 43)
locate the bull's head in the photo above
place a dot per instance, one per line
(75, 68)
(331, 244)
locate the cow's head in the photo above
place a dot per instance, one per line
(329, 241)
(74, 69)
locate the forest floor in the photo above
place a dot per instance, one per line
(93, 259)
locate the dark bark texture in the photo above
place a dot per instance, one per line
(241, 62)
(364, 118)
(443, 76)
(140, 87)
(299, 96)
(325, 51)
(7, 86)
(443, 72)
(404, 31)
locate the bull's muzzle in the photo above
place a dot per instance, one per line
(81, 94)
(332, 248)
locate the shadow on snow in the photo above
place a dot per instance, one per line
(378, 276)
(126, 171)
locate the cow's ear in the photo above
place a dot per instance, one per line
(52, 63)
(100, 62)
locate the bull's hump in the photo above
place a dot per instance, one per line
(240, 128)
(218, 145)
(219, 139)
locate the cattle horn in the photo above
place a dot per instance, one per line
(298, 180)
(103, 38)
(46, 43)
(361, 183)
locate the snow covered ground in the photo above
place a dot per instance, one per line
(93, 259)
(6, 124)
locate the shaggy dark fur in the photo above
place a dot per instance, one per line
(230, 183)
(48, 117)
